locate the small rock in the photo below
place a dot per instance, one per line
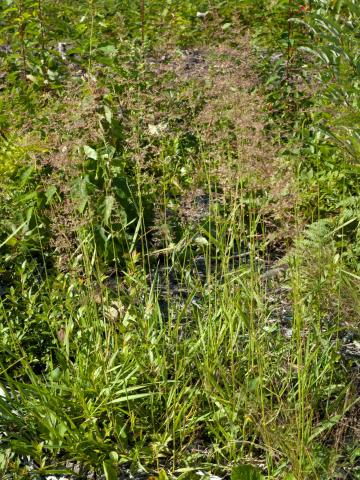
(287, 332)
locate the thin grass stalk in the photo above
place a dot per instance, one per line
(42, 35)
(91, 38)
(289, 39)
(22, 32)
(142, 20)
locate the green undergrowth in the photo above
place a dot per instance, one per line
(179, 244)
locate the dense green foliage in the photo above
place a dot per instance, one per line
(180, 238)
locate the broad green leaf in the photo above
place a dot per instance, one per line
(201, 241)
(13, 234)
(50, 192)
(162, 475)
(114, 457)
(108, 206)
(80, 193)
(110, 470)
(328, 425)
(109, 50)
(246, 472)
(90, 152)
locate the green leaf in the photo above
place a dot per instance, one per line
(162, 475)
(201, 241)
(114, 457)
(61, 429)
(13, 234)
(109, 50)
(108, 206)
(110, 470)
(355, 454)
(325, 426)
(108, 114)
(32, 78)
(49, 194)
(126, 398)
(52, 75)
(26, 175)
(80, 192)
(90, 152)
(246, 472)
